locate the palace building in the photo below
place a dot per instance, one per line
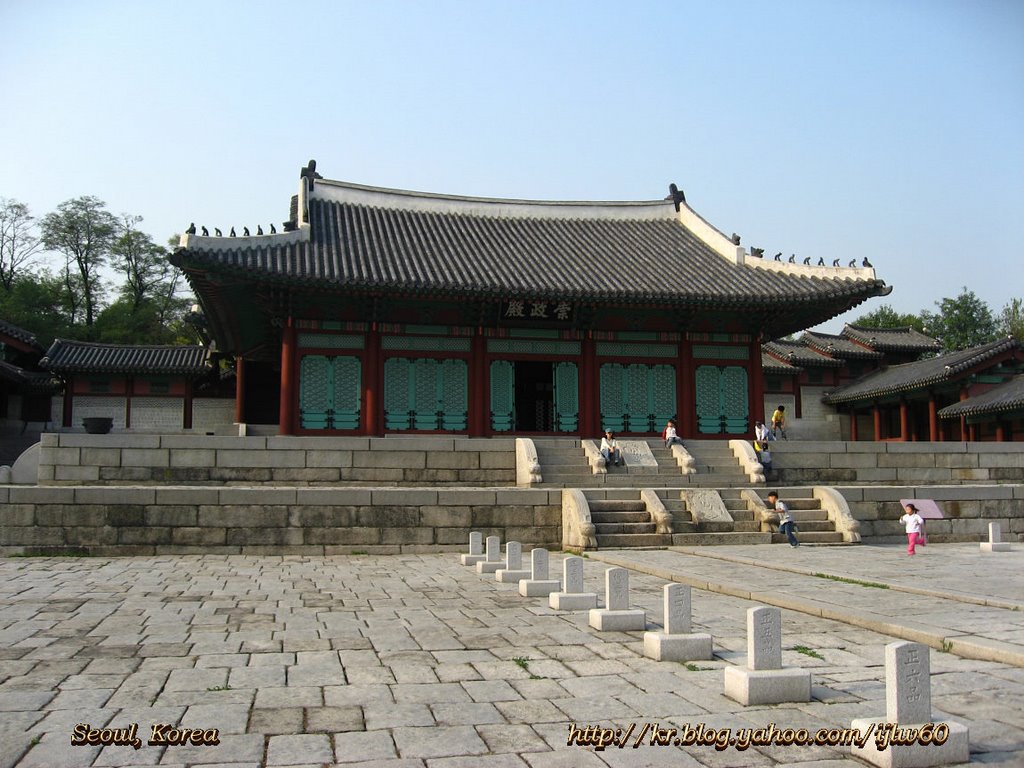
(379, 311)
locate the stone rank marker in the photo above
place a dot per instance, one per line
(476, 549)
(493, 560)
(995, 541)
(763, 680)
(573, 598)
(617, 616)
(513, 571)
(908, 703)
(675, 642)
(538, 585)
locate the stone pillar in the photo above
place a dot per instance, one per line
(476, 549)
(616, 616)
(995, 541)
(573, 598)
(538, 585)
(763, 680)
(492, 562)
(908, 706)
(513, 571)
(676, 643)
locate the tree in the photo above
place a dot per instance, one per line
(1011, 319)
(963, 322)
(83, 231)
(38, 304)
(18, 240)
(148, 273)
(887, 317)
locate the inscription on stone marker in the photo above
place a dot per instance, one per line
(539, 564)
(908, 696)
(493, 549)
(764, 638)
(572, 574)
(513, 556)
(616, 589)
(676, 599)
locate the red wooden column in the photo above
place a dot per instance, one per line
(853, 424)
(187, 405)
(286, 413)
(756, 385)
(1000, 432)
(876, 412)
(239, 390)
(933, 419)
(963, 419)
(373, 386)
(686, 407)
(479, 402)
(129, 385)
(590, 403)
(904, 421)
(69, 401)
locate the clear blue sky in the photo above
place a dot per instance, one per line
(892, 130)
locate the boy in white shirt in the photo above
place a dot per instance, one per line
(610, 450)
(786, 522)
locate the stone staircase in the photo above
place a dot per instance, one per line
(563, 464)
(624, 523)
(812, 523)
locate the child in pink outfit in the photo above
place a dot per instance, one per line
(914, 524)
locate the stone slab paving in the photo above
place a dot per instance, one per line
(949, 596)
(415, 661)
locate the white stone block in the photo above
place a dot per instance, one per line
(995, 541)
(676, 609)
(472, 559)
(767, 686)
(955, 749)
(572, 574)
(509, 576)
(572, 601)
(539, 564)
(908, 690)
(663, 647)
(488, 566)
(538, 587)
(616, 589)
(605, 620)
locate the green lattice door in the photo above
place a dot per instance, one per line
(637, 398)
(567, 397)
(723, 405)
(425, 394)
(503, 395)
(330, 392)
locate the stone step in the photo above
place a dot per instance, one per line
(810, 537)
(627, 541)
(719, 539)
(748, 526)
(603, 518)
(632, 529)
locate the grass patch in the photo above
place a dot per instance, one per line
(694, 668)
(360, 552)
(808, 652)
(858, 582)
(219, 688)
(524, 664)
(947, 646)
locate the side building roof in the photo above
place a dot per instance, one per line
(922, 373)
(904, 339)
(76, 357)
(839, 346)
(800, 354)
(20, 335)
(368, 240)
(1007, 397)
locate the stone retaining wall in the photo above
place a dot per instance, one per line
(147, 520)
(74, 458)
(968, 510)
(799, 462)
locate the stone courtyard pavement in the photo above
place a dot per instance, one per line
(415, 661)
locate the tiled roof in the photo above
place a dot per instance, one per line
(800, 354)
(838, 346)
(371, 239)
(65, 356)
(923, 373)
(1008, 396)
(20, 334)
(892, 339)
(777, 367)
(32, 381)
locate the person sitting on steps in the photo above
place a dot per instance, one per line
(610, 450)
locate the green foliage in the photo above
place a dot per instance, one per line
(1011, 320)
(887, 317)
(38, 303)
(963, 322)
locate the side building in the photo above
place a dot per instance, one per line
(380, 310)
